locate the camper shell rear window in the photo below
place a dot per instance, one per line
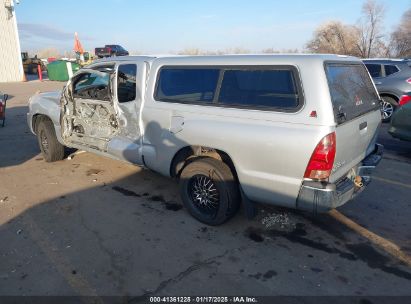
(352, 91)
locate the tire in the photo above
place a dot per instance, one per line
(50, 147)
(209, 191)
(388, 107)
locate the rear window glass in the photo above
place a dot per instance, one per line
(390, 69)
(259, 88)
(374, 69)
(187, 85)
(352, 91)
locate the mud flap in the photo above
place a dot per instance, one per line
(250, 210)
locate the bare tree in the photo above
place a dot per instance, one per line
(401, 37)
(369, 29)
(47, 53)
(334, 37)
(282, 51)
(191, 52)
(197, 51)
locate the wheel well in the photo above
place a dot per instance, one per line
(188, 154)
(389, 95)
(36, 119)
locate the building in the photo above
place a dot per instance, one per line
(11, 67)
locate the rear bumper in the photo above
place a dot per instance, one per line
(322, 196)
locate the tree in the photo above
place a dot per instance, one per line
(401, 38)
(369, 30)
(47, 53)
(282, 51)
(334, 37)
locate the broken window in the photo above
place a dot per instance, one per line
(92, 86)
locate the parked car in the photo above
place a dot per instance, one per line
(292, 130)
(392, 77)
(110, 50)
(401, 120)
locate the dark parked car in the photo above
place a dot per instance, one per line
(392, 77)
(110, 50)
(401, 120)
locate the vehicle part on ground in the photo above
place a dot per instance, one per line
(209, 191)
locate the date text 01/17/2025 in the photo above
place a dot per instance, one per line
(203, 299)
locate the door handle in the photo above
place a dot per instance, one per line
(363, 125)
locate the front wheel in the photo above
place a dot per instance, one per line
(209, 191)
(50, 147)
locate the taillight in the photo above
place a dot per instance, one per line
(404, 100)
(322, 160)
(408, 80)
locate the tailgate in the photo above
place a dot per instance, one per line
(357, 114)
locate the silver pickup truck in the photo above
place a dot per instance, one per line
(292, 130)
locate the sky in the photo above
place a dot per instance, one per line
(168, 26)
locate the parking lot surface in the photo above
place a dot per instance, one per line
(94, 226)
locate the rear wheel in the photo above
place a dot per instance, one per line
(50, 147)
(209, 191)
(388, 106)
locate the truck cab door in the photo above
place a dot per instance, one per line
(128, 91)
(88, 118)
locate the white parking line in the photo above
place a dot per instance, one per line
(381, 179)
(381, 242)
(77, 281)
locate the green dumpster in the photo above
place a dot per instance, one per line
(59, 70)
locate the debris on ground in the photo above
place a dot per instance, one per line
(4, 199)
(93, 172)
(71, 156)
(278, 220)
